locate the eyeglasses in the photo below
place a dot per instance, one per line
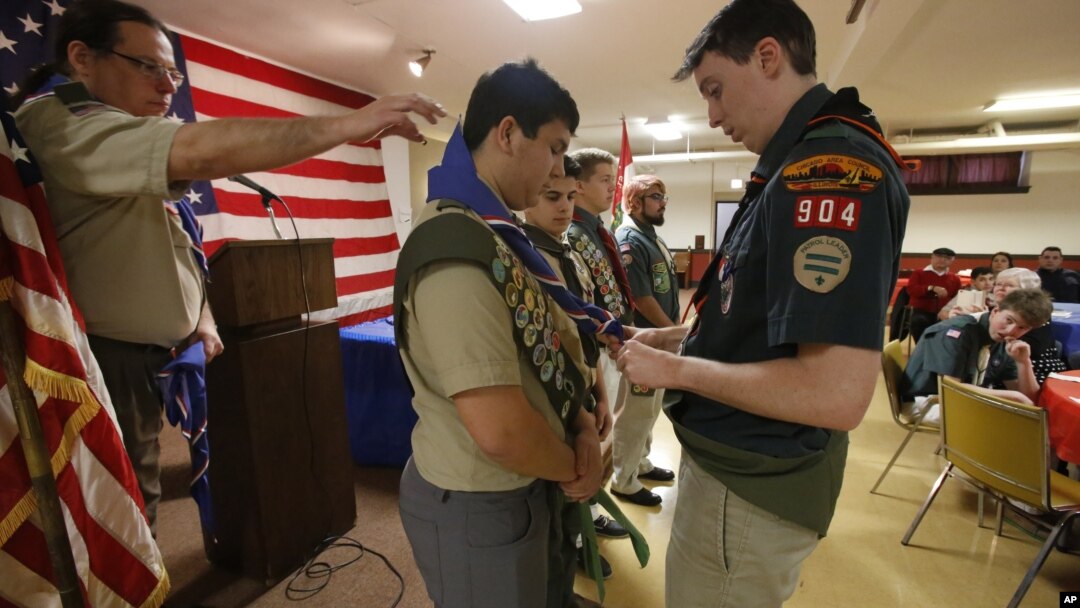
(656, 196)
(154, 71)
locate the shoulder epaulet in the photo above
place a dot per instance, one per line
(829, 129)
(77, 99)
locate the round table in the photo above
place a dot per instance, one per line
(1061, 399)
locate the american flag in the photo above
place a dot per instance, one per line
(116, 558)
(341, 193)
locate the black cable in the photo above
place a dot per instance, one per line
(320, 571)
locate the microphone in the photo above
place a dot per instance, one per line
(244, 180)
(267, 196)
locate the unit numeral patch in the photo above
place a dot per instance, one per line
(839, 212)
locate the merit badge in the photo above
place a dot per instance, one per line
(604, 289)
(627, 259)
(558, 376)
(519, 278)
(499, 270)
(539, 354)
(562, 361)
(831, 172)
(541, 302)
(546, 370)
(502, 252)
(521, 317)
(569, 386)
(565, 409)
(530, 299)
(530, 335)
(579, 245)
(547, 337)
(538, 319)
(822, 263)
(555, 341)
(511, 294)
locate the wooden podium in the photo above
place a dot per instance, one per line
(280, 471)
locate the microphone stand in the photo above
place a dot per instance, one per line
(266, 201)
(267, 198)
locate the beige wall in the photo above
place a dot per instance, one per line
(1018, 223)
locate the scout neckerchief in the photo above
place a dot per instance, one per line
(78, 100)
(456, 179)
(622, 282)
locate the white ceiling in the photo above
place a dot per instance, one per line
(921, 64)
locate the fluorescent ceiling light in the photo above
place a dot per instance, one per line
(737, 184)
(1042, 102)
(538, 10)
(663, 130)
(418, 66)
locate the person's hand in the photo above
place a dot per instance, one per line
(603, 417)
(207, 333)
(643, 364)
(1019, 350)
(389, 115)
(956, 311)
(588, 466)
(939, 292)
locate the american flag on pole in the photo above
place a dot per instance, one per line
(116, 558)
(341, 193)
(622, 174)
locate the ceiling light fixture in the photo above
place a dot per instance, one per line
(418, 66)
(538, 10)
(662, 129)
(1039, 102)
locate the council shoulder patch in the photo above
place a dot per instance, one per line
(832, 172)
(822, 263)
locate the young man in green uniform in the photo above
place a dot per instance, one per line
(489, 338)
(785, 352)
(651, 274)
(113, 166)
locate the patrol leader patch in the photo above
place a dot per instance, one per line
(831, 172)
(822, 263)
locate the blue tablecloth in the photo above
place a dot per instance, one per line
(378, 400)
(1066, 329)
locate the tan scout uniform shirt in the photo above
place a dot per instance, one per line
(459, 338)
(128, 260)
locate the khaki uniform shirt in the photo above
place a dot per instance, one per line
(459, 338)
(128, 259)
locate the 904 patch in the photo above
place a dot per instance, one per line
(838, 212)
(832, 172)
(822, 263)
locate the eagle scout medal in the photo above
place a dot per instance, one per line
(821, 263)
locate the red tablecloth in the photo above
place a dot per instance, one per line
(1057, 397)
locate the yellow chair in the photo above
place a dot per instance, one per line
(893, 361)
(976, 428)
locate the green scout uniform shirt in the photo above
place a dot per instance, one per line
(128, 260)
(649, 267)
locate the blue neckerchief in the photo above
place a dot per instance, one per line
(188, 220)
(456, 179)
(183, 385)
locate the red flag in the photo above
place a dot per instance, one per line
(624, 172)
(117, 561)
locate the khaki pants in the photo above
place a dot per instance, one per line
(635, 417)
(726, 552)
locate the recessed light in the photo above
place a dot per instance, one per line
(538, 10)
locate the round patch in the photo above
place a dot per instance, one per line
(569, 386)
(596, 271)
(546, 370)
(530, 335)
(530, 299)
(511, 294)
(521, 317)
(519, 278)
(547, 337)
(627, 259)
(565, 409)
(555, 341)
(604, 289)
(539, 354)
(562, 361)
(541, 303)
(538, 319)
(727, 289)
(822, 263)
(558, 376)
(499, 270)
(580, 246)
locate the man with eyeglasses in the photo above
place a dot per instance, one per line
(651, 273)
(112, 164)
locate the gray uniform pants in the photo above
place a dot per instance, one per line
(130, 372)
(478, 549)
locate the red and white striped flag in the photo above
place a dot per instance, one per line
(622, 175)
(116, 558)
(341, 193)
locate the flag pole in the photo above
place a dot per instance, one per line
(12, 356)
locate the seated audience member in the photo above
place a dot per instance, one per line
(982, 279)
(1001, 261)
(1045, 352)
(1063, 284)
(930, 288)
(983, 350)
